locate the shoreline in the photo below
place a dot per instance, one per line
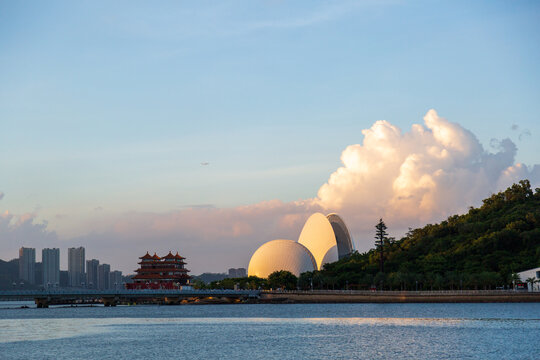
(281, 297)
(398, 297)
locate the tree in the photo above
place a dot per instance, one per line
(283, 279)
(198, 284)
(381, 238)
(305, 281)
(515, 279)
(531, 281)
(379, 279)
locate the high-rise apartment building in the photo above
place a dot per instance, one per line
(115, 280)
(92, 273)
(50, 259)
(27, 264)
(76, 264)
(104, 271)
(38, 274)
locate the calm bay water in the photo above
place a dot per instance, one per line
(283, 331)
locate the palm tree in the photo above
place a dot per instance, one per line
(515, 278)
(531, 281)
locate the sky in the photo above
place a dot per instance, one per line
(210, 128)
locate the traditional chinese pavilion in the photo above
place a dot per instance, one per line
(156, 272)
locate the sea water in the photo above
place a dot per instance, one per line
(272, 331)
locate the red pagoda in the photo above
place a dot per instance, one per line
(167, 272)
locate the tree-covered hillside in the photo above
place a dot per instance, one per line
(480, 249)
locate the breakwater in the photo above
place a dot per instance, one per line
(337, 296)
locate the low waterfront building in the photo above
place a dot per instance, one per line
(156, 272)
(533, 274)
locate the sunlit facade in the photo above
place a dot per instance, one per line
(278, 255)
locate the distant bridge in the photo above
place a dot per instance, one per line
(43, 298)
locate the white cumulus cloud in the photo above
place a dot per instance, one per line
(424, 175)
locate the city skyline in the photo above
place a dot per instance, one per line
(53, 256)
(47, 273)
(210, 129)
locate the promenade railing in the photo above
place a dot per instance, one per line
(405, 292)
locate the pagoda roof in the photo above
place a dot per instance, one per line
(172, 262)
(146, 257)
(157, 276)
(155, 257)
(169, 256)
(161, 264)
(178, 256)
(158, 270)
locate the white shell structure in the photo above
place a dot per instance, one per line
(318, 236)
(330, 256)
(279, 255)
(324, 239)
(344, 243)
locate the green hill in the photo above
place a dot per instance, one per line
(480, 249)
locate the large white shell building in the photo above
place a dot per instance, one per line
(323, 239)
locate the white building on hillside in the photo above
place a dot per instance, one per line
(532, 273)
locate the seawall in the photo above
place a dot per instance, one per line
(398, 297)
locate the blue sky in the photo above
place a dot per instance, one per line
(112, 107)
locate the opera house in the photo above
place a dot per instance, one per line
(324, 239)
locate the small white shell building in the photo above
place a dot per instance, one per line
(278, 255)
(323, 239)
